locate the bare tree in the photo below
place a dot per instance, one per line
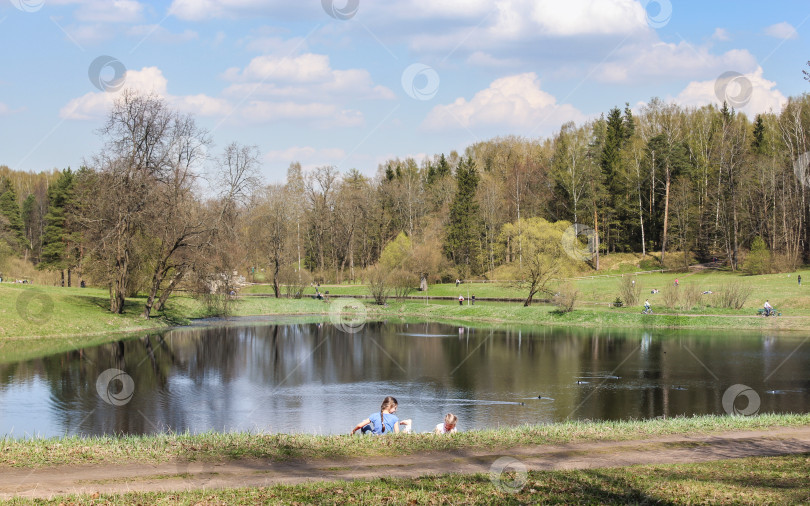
(140, 139)
(175, 220)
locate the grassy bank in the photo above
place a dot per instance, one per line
(752, 480)
(35, 320)
(516, 314)
(216, 446)
(782, 290)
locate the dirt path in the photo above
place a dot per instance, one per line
(48, 482)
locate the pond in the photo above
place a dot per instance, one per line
(308, 377)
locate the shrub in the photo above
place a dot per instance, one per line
(629, 291)
(690, 296)
(403, 283)
(758, 260)
(671, 295)
(618, 302)
(565, 298)
(293, 281)
(650, 264)
(733, 295)
(379, 284)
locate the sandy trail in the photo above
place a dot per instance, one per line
(52, 481)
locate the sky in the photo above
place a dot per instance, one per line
(352, 83)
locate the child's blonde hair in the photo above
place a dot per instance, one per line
(450, 419)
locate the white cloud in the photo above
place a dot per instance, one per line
(588, 17)
(483, 59)
(764, 96)
(305, 77)
(783, 30)
(514, 22)
(298, 69)
(667, 60)
(96, 105)
(514, 101)
(198, 10)
(721, 34)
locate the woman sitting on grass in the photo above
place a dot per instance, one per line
(384, 422)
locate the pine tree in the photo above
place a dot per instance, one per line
(758, 143)
(14, 232)
(464, 234)
(57, 239)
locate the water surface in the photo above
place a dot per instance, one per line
(316, 378)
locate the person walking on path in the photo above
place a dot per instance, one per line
(800, 280)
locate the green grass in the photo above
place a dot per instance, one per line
(516, 314)
(781, 289)
(753, 480)
(38, 320)
(215, 446)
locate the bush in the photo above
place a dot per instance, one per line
(690, 296)
(379, 284)
(629, 291)
(649, 264)
(293, 282)
(671, 295)
(733, 295)
(758, 260)
(403, 282)
(565, 298)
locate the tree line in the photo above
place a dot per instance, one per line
(153, 211)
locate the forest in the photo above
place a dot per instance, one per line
(155, 210)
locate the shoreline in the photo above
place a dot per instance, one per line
(210, 446)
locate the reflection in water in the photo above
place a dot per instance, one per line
(313, 378)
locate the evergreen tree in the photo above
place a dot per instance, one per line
(464, 235)
(57, 239)
(758, 143)
(442, 168)
(29, 218)
(629, 124)
(14, 232)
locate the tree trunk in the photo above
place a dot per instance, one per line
(164, 295)
(276, 289)
(666, 219)
(641, 223)
(596, 239)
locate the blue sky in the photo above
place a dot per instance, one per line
(353, 82)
